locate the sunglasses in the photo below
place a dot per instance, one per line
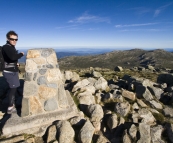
(13, 39)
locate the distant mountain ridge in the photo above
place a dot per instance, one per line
(127, 58)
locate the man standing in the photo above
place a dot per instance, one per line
(11, 70)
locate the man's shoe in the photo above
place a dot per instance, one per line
(10, 111)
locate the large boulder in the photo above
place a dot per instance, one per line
(102, 139)
(51, 133)
(101, 84)
(142, 91)
(156, 133)
(157, 92)
(86, 133)
(96, 74)
(118, 68)
(168, 111)
(133, 131)
(126, 138)
(80, 84)
(65, 132)
(165, 78)
(128, 94)
(146, 116)
(144, 130)
(112, 121)
(122, 108)
(169, 129)
(96, 114)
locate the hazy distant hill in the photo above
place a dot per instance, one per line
(127, 58)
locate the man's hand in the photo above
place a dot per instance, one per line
(23, 53)
(18, 64)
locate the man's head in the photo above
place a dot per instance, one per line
(12, 37)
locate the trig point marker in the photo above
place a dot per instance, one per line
(44, 98)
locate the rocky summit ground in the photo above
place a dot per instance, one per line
(115, 106)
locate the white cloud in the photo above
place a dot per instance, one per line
(141, 10)
(135, 25)
(86, 18)
(160, 9)
(62, 27)
(139, 30)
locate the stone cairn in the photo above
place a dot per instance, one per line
(43, 89)
(44, 98)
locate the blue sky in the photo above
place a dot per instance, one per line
(88, 23)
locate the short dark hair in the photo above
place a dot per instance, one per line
(11, 33)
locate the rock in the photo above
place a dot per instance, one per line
(101, 84)
(135, 117)
(28, 76)
(150, 67)
(133, 131)
(102, 139)
(13, 139)
(54, 75)
(98, 97)
(68, 75)
(86, 133)
(168, 111)
(31, 66)
(51, 133)
(50, 104)
(92, 80)
(96, 74)
(30, 140)
(156, 133)
(118, 68)
(165, 78)
(106, 96)
(135, 106)
(146, 116)
(117, 96)
(144, 131)
(80, 84)
(141, 68)
(121, 121)
(41, 80)
(65, 131)
(128, 94)
(142, 91)
(155, 104)
(96, 114)
(30, 89)
(169, 130)
(33, 54)
(86, 98)
(141, 103)
(89, 88)
(112, 121)
(1, 114)
(113, 86)
(157, 92)
(126, 138)
(45, 92)
(42, 71)
(75, 77)
(122, 108)
(62, 97)
(77, 121)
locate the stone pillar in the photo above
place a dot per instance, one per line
(43, 88)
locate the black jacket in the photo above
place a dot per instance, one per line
(11, 56)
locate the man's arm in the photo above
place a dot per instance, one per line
(11, 53)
